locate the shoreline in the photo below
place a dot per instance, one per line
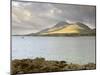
(41, 65)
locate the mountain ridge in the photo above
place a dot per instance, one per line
(66, 29)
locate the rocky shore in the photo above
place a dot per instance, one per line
(40, 65)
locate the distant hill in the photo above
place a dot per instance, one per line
(66, 29)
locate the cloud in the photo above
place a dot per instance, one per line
(31, 17)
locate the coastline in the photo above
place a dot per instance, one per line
(41, 65)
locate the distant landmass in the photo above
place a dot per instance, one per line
(65, 29)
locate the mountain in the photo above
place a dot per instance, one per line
(56, 27)
(66, 29)
(60, 24)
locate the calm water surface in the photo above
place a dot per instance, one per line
(71, 49)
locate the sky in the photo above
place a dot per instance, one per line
(32, 17)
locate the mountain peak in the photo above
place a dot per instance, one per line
(83, 25)
(61, 24)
